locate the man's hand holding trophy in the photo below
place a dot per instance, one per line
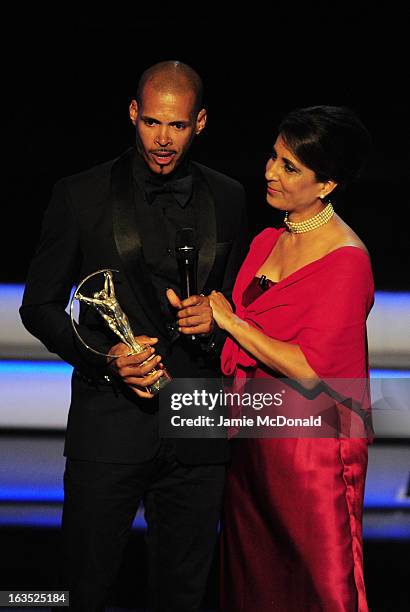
(133, 359)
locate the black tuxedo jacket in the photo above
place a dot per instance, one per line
(92, 223)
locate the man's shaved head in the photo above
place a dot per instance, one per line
(174, 77)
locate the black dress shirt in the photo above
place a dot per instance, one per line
(160, 214)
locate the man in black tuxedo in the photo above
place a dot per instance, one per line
(124, 215)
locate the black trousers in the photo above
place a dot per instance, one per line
(182, 508)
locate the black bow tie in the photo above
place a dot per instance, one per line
(181, 189)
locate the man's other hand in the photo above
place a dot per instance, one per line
(194, 314)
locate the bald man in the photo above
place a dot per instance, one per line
(124, 215)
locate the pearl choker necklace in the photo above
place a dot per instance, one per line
(310, 224)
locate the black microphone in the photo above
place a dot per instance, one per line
(187, 258)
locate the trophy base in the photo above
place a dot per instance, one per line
(160, 383)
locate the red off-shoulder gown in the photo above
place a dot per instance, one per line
(292, 523)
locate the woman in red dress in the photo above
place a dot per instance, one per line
(292, 528)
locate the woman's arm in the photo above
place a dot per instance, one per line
(283, 357)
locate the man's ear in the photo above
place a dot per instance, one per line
(133, 111)
(200, 121)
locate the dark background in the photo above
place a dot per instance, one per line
(69, 79)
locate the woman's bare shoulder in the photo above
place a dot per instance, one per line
(344, 236)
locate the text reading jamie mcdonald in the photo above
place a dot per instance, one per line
(243, 422)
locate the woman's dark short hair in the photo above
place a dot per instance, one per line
(330, 140)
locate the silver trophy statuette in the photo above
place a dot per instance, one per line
(107, 305)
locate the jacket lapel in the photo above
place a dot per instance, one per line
(204, 205)
(128, 239)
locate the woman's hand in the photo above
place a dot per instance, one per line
(222, 310)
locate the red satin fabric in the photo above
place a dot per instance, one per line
(292, 535)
